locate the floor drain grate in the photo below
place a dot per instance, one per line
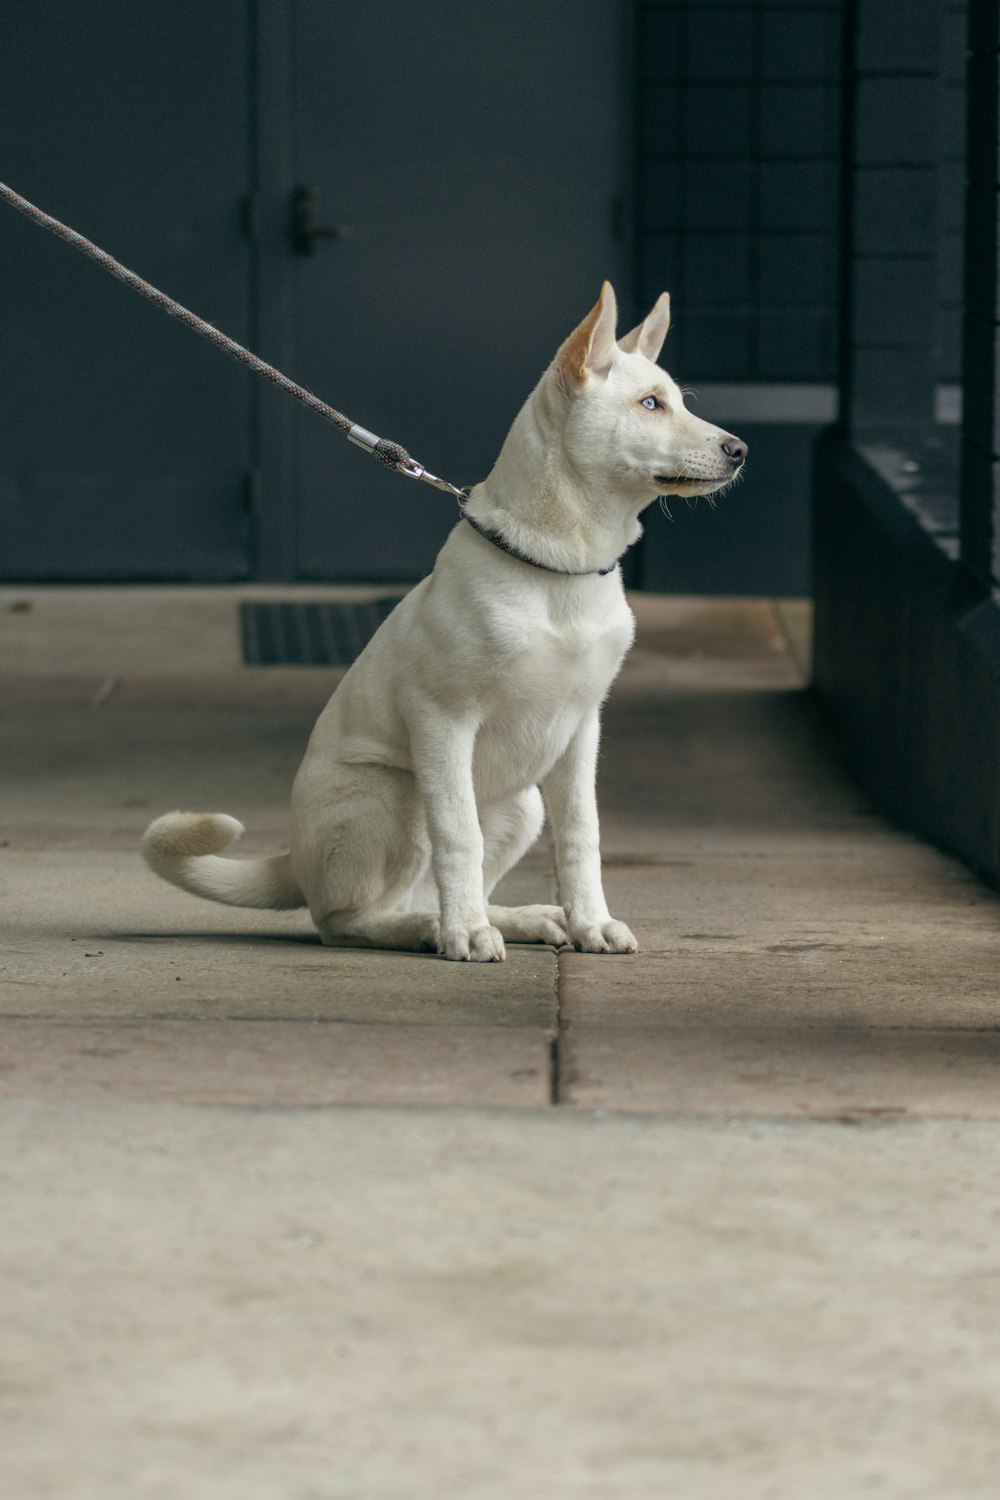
(309, 635)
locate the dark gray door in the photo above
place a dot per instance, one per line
(125, 440)
(470, 159)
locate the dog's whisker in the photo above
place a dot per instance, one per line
(738, 478)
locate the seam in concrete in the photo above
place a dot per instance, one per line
(890, 1119)
(555, 1060)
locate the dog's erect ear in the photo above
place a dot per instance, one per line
(590, 349)
(648, 338)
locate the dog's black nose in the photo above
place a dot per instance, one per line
(735, 451)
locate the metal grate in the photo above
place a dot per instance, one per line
(309, 635)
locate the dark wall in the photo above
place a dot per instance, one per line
(738, 201)
(907, 655)
(907, 614)
(737, 142)
(756, 539)
(951, 135)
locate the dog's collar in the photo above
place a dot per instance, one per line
(499, 540)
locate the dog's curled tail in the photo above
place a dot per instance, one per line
(184, 848)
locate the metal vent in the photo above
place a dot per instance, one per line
(309, 635)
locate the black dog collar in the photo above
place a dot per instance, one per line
(501, 541)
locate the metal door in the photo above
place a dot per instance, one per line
(464, 167)
(470, 162)
(126, 442)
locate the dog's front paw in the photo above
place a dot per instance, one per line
(603, 937)
(478, 945)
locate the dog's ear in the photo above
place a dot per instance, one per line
(590, 349)
(648, 338)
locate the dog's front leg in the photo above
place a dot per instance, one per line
(442, 746)
(570, 792)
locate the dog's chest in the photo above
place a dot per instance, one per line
(538, 699)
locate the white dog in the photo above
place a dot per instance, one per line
(420, 785)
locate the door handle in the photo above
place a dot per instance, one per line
(305, 230)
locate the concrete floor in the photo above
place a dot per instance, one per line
(717, 1220)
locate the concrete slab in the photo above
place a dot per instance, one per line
(711, 631)
(109, 772)
(90, 759)
(96, 935)
(867, 885)
(257, 1305)
(303, 688)
(115, 632)
(887, 933)
(741, 769)
(705, 645)
(833, 1071)
(254, 1302)
(797, 954)
(275, 1062)
(797, 986)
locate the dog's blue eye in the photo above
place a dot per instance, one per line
(650, 403)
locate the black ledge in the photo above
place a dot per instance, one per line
(907, 650)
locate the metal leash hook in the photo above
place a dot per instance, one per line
(416, 471)
(397, 458)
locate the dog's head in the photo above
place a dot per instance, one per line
(625, 422)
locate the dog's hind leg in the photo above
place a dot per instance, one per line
(411, 931)
(362, 854)
(509, 830)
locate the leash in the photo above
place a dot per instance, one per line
(392, 455)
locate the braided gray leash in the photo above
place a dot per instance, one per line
(388, 453)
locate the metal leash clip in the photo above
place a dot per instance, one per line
(369, 441)
(413, 470)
